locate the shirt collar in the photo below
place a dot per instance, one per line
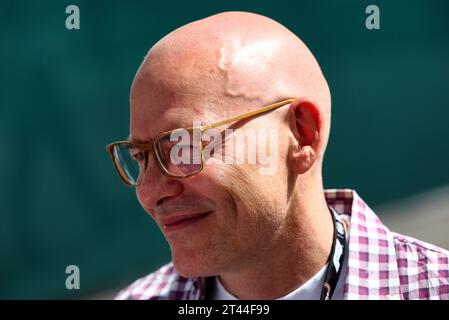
(310, 290)
(372, 263)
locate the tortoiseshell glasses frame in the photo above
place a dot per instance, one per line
(153, 146)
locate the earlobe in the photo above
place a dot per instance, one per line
(303, 159)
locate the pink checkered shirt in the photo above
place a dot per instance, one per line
(381, 264)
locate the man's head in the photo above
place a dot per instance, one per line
(214, 69)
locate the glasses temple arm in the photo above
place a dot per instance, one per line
(248, 114)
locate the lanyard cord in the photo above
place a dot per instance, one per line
(335, 258)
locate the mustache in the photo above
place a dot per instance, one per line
(182, 204)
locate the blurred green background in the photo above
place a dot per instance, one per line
(64, 96)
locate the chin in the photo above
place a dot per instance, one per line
(193, 265)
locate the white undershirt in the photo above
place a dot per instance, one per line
(311, 290)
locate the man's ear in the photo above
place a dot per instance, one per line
(306, 122)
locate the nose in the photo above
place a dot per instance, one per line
(155, 187)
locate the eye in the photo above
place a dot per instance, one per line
(139, 156)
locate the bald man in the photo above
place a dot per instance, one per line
(236, 231)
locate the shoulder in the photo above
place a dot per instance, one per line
(163, 284)
(423, 268)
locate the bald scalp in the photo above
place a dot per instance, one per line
(241, 58)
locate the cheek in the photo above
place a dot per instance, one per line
(243, 223)
(245, 199)
(215, 185)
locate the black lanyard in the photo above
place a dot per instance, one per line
(335, 258)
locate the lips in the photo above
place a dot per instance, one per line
(172, 223)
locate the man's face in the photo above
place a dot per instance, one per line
(234, 212)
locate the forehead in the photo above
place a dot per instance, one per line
(171, 90)
(151, 118)
(175, 87)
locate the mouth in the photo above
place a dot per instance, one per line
(174, 224)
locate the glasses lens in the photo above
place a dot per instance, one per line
(131, 162)
(179, 152)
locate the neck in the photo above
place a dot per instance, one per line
(301, 250)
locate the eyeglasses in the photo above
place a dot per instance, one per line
(131, 159)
